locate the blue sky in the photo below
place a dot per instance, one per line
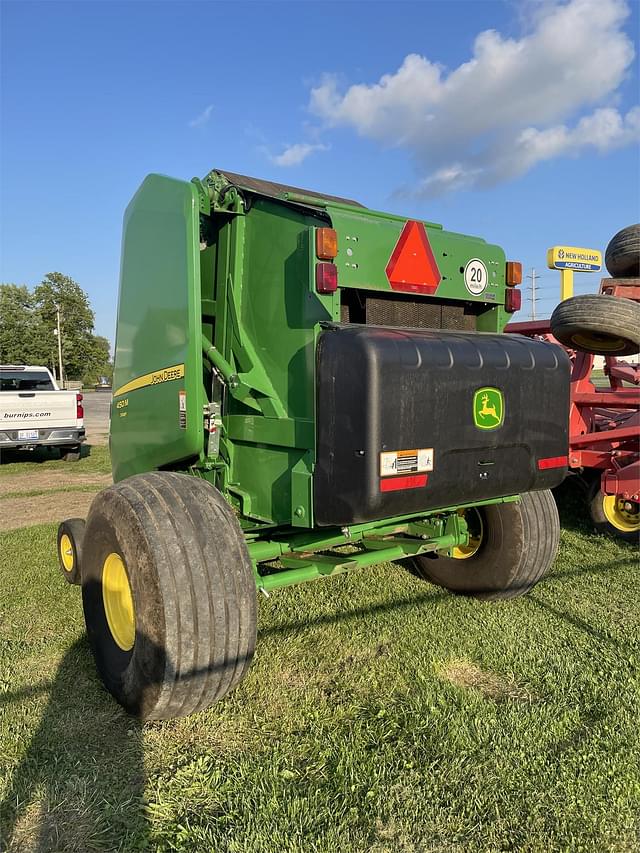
(526, 136)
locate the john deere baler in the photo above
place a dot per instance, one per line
(304, 386)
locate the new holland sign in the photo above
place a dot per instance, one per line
(572, 258)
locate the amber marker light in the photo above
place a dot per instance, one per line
(326, 243)
(514, 273)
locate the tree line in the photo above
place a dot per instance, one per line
(28, 320)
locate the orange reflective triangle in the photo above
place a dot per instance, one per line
(412, 266)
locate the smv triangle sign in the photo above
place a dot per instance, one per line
(412, 266)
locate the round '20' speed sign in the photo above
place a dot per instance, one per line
(475, 276)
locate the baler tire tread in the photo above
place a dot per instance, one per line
(193, 589)
(611, 319)
(520, 547)
(622, 257)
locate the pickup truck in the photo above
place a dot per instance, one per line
(34, 412)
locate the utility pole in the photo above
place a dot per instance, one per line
(59, 345)
(534, 298)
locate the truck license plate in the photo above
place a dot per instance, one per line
(26, 434)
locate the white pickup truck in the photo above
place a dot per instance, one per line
(34, 412)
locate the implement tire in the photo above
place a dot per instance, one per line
(609, 515)
(602, 325)
(518, 545)
(622, 257)
(168, 594)
(70, 539)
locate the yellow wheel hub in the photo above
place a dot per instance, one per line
(476, 533)
(626, 520)
(66, 552)
(595, 341)
(118, 602)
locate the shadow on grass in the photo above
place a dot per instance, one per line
(39, 455)
(396, 604)
(571, 500)
(615, 643)
(597, 569)
(79, 784)
(430, 597)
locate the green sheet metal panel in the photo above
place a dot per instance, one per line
(156, 416)
(278, 312)
(367, 239)
(279, 304)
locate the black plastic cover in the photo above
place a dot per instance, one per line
(399, 391)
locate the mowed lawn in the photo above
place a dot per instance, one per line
(380, 714)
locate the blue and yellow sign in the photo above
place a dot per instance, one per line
(573, 258)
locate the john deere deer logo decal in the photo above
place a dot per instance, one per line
(488, 408)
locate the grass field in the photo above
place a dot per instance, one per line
(381, 714)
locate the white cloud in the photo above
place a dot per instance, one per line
(293, 155)
(515, 103)
(203, 118)
(602, 130)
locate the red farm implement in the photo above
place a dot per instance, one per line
(604, 415)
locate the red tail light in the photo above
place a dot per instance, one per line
(513, 300)
(326, 278)
(79, 407)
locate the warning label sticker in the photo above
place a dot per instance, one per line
(182, 409)
(406, 461)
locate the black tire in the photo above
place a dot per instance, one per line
(70, 539)
(518, 546)
(602, 325)
(193, 590)
(70, 454)
(623, 525)
(622, 257)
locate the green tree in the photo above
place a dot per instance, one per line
(23, 337)
(76, 320)
(99, 363)
(28, 324)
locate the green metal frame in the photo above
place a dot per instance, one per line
(300, 560)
